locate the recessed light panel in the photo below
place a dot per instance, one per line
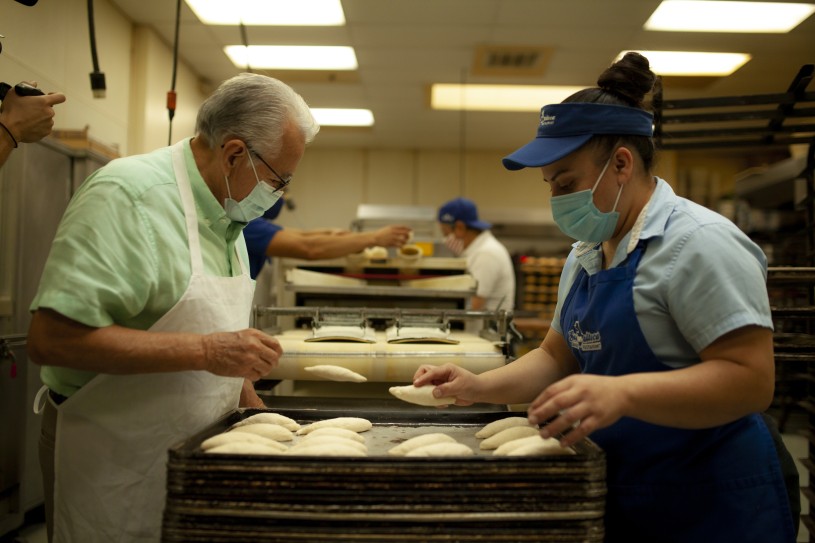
(496, 97)
(717, 16)
(692, 63)
(343, 117)
(269, 12)
(292, 57)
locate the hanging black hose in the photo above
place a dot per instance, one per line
(97, 77)
(245, 41)
(171, 95)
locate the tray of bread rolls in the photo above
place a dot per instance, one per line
(385, 475)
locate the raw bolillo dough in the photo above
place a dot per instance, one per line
(243, 447)
(265, 429)
(419, 441)
(355, 424)
(336, 373)
(501, 424)
(533, 445)
(327, 449)
(235, 437)
(319, 441)
(337, 432)
(550, 446)
(270, 418)
(442, 449)
(420, 395)
(509, 446)
(514, 432)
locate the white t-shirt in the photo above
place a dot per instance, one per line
(488, 261)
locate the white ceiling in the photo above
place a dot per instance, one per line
(402, 46)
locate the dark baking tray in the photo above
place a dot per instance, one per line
(383, 498)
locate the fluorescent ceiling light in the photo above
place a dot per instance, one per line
(496, 97)
(693, 63)
(343, 117)
(714, 16)
(292, 57)
(269, 12)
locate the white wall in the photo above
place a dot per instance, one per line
(49, 43)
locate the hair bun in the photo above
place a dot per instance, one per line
(630, 78)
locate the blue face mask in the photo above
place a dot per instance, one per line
(578, 217)
(262, 197)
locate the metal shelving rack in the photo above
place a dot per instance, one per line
(766, 121)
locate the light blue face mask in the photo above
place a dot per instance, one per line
(262, 197)
(578, 217)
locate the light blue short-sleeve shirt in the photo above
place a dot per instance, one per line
(700, 277)
(121, 253)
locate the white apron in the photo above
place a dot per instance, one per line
(112, 435)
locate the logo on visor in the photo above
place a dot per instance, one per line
(584, 341)
(547, 120)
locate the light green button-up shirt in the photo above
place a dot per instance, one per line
(121, 255)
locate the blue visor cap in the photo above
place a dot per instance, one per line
(564, 128)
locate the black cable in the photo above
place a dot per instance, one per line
(171, 94)
(245, 41)
(97, 77)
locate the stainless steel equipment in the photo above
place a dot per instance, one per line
(386, 345)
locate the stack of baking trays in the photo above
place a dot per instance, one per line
(382, 498)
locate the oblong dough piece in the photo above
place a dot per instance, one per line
(327, 449)
(319, 441)
(509, 446)
(336, 373)
(501, 424)
(355, 424)
(336, 432)
(550, 446)
(422, 395)
(270, 418)
(420, 441)
(265, 429)
(243, 447)
(509, 434)
(235, 437)
(442, 449)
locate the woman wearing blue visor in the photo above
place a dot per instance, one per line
(660, 349)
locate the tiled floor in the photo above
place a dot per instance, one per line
(796, 444)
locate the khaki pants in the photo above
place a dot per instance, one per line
(48, 433)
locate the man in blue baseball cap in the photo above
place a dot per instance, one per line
(488, 261)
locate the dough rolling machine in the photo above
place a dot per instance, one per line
(386, 345)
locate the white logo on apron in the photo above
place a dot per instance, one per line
(584, 341)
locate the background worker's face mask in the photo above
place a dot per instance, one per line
(455, 245)
(262, 197)
(578, 217)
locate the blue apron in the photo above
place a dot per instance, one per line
(666, 484)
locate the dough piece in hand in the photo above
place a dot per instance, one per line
(270, 418)
(419, 441)
(442, 449)
(319, 441)
(501, 424)
(333, 448)
(336, 432)
(549, 446)
(515, 432)
(420, 395)
(271, 431)
(336, 373)
(235, 437)
(355, 424)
